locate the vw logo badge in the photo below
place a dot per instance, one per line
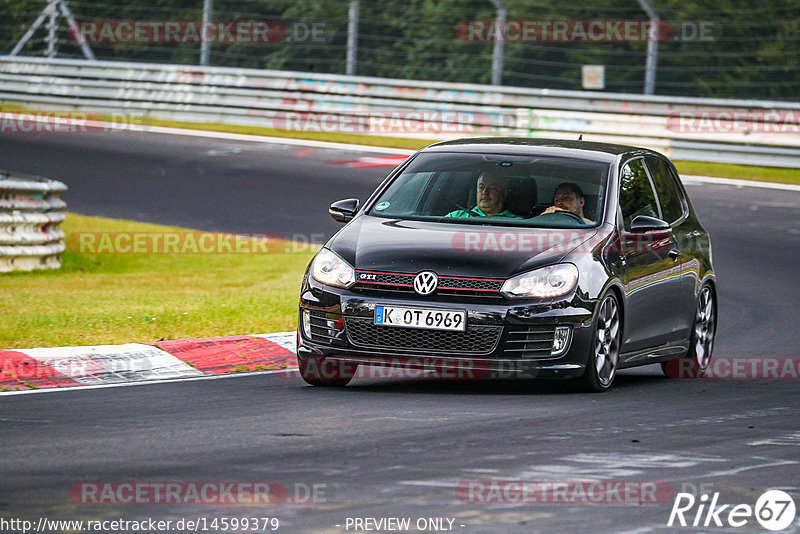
(425, 282)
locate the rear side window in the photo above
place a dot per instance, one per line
(669, 194)
(636, 195)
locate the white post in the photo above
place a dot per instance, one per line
(497, 53)
(205, 44)
(652, 48)
(352, 38)
(51, 34)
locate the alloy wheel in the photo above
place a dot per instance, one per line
(704, 328)
(606, 343)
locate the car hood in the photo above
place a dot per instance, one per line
(395, 245)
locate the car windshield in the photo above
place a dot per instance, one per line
(530, 191)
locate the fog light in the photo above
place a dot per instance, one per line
(307, 324)
(334, 327)
(560, 340)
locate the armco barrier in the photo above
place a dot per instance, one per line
(736, 131)
(31, 212)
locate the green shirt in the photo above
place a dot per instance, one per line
(476, 212)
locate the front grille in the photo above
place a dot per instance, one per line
(473, 284)
(394, 279)
(385, 288)
(447, 284)
(535, 341)
(477, 339)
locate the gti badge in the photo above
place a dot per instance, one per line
(425, 282)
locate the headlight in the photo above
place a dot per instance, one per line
(547, 282)
(329, 269)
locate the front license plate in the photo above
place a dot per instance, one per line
(421, 318)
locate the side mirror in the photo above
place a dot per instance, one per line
(645, 223)
(344, 210)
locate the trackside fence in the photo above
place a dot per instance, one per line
(735, 131)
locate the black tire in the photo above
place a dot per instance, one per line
(701, 341)
(601, 365)
(316, 373)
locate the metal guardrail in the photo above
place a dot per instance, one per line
(31, 212)
(736, 131)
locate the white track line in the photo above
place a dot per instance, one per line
(277, 140)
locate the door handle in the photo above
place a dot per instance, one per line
(674, 254)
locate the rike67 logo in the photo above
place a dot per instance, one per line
(774, 510)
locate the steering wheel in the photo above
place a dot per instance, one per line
(564, 213)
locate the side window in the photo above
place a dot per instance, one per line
(403, 196)
(636, 195)
(669, 194)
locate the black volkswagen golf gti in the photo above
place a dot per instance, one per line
(504, 257)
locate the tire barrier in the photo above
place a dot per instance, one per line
(31, 212)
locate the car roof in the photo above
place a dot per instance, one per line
(605, 152)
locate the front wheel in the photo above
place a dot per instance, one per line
(701, 341)
(325, 372)
(601, 367)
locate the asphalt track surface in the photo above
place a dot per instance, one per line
(400, 448)
(194, 182)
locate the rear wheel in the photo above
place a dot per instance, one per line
(325, 372)
(601, 368)
(701, 341)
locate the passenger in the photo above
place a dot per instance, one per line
(491, 196)
(568, 197)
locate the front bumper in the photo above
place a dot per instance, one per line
(342, 331)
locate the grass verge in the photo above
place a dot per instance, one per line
(331, 137)
(740, 172)
(121, 298)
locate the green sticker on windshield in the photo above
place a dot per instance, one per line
(382, 206)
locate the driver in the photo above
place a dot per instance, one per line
(568, 197)
(491, 193)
